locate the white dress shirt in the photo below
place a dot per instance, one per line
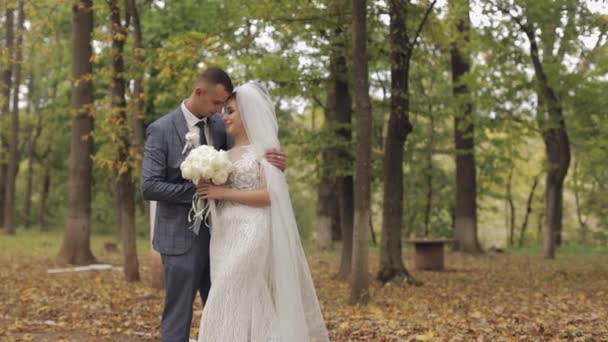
(192, 120)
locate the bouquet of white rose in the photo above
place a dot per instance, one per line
(204, 163)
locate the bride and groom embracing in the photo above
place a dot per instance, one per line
(249, 267)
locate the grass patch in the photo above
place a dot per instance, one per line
(565, 250)
(47, 244)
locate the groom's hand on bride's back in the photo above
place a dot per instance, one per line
(277, 158)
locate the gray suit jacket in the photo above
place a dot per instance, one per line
(161, 179)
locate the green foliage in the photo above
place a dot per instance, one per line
(288, 44)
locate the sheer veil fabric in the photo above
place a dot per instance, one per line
(295, 300)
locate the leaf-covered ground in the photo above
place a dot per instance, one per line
(497, 297)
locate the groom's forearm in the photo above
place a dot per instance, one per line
(156, 190)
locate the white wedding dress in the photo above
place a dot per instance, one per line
(240, 307)
(261, 286)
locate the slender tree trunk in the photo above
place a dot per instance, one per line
(156, 264)
(7, 84)
(399, 126)
(31, 155)
(326, 203)
(429, 177)
(327, 199)
(13, 141)
(3, 171)
(125, 189)
(524, 226)
(344, 179)
(552, 125)
(76, 246)
(336, 221)
(117, 205)
(557, 148)
(46, 178)
(46, 189)
(465, 232)
(360, 290)
(345, 188)
(511, 205)
(372, 232)
(30, 177)
(540, 224)
(139, 130)
(584, 229)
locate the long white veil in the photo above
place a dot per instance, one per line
(292, 289)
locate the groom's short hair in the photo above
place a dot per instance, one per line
(216, 76)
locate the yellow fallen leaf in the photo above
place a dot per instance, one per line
(425, 337)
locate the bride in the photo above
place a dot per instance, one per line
(261, 285)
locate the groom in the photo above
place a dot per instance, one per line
(185, 255)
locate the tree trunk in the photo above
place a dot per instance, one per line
(139, 130)
(31, 156)
(343, 117)
(336, 224)
(7, 84)
(125, 189)
(540, 224)
(46, 189)
(327, 199)
(465, 232)
(511, 204)
(117, 204)
(399, 127)
(76, 246)
(584, 229)
(372, 232)
(156, 263)
(429, 177)
(326, 202)
(345, 188)
(557, 149)
(13, 141)
(524, 226)
(360, 290)
(553, 214)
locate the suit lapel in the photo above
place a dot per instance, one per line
(179, 121)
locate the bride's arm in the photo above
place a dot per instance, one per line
(253, 198)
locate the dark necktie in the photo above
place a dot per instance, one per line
(201, 134)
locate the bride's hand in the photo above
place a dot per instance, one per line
(211, 191)
(277, 158)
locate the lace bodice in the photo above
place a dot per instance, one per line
(247, 171)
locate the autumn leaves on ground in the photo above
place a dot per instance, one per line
(499, 296)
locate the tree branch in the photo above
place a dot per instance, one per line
(127, 15)
(524, 27)
(427, 12)
(319, 103)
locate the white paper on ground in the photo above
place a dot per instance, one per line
(92, 267)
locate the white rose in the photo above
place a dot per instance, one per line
(220, 178)
(187, 170)
(218, 164)
(206, 171)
